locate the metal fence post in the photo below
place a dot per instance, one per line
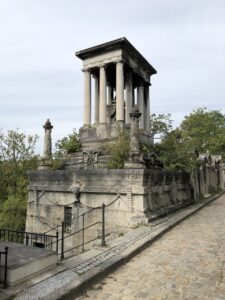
(83, 232)
(6, 261)
(27, 239)
(103, 225)
(62, 241)
(57, 242)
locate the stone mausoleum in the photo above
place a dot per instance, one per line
(118, 77)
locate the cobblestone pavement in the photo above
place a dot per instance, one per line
(186, 263)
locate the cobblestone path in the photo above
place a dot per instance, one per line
(188, 262)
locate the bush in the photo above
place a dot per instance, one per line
(119, 150)
(69, 144)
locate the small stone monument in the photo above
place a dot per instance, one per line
(47, 149)
(135, 160)
(47, 153)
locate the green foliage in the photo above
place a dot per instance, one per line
(199, 132)
(69, 144)
(16, 158)
(13, 212)
(160, 124)
(119, 150)
(176, 153)
(205, 130)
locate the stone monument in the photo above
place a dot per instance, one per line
(133, 195)
(121, 77)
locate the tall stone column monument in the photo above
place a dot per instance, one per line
(135, 160)
(47, 152)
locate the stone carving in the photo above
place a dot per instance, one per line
(90, 158)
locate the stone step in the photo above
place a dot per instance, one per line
(25, 262)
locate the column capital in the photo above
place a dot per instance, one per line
(86, 70)
(119, 61)
(147, 83)
(102, 66)
(47, 125)
(140, 82)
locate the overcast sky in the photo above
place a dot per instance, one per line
(41, 78)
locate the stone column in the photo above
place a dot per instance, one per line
(147, 107)
(202, 182)
(134, 160)
(207, 167)
(129, 96)
(140, 103)
(87, 98)
(134, 132)
(47, 153)
(119, 92)
(96, 100)
(102, 97)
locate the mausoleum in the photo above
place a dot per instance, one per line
(121, 80)
(74, 199)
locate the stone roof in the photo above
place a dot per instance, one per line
(121, 43)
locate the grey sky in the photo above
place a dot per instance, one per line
(41, 78)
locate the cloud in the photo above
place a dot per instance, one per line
(41, 78)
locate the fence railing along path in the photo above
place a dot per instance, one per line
(3, 265)
(41, 240)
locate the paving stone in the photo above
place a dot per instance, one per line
(186, 263)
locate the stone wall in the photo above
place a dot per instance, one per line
(131, 196)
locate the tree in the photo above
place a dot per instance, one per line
(17, 156)
(205, 130)
(175, 152)
(199, 132)
(160, 124)
(69, 144)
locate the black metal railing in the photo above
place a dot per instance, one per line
(40, 240)
(5, 253)
(63, 236)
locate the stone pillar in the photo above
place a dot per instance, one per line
(147, 108)
(134, 160)
(87, 98)
(223, 172)
(140, 103)
(119, 92)
(202, 181)
(129, 96)
(102, 97)
(96, 100)
(207, 176)
(47, 153)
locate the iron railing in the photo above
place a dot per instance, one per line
(63, 237)
(5, 252)
(40, 240)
